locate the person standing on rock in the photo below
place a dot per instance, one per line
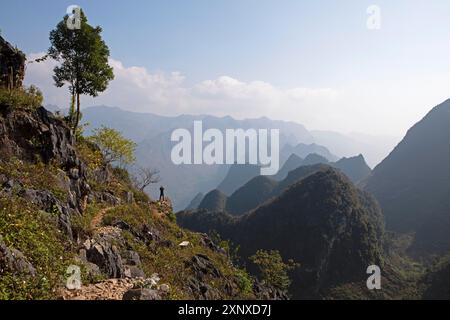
(161, 194)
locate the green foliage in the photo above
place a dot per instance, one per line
(122, 175)
(172, 217)
(230, 248)
(36, 235)
(25, 98)
(133, 214)
(114, 147)
(89, 153)
(83, 57)
(81, 224)
(273, 270)
(140, 196)
(245, 282)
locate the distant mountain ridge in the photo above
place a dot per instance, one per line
(239, 174)
(260, 188)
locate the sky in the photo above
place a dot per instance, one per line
(314, 62)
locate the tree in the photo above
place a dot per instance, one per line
(272, 269)
(83, 57)
(145, 177)
(114, 147)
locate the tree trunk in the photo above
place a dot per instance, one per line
(78, 113)
(72, 109)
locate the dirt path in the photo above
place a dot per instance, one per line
(98, 218)
(111, 289)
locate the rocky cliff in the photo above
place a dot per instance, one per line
(12, 65)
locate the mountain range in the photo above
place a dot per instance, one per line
(152, 134)
(256, 189)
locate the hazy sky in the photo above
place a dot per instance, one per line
(314, 62)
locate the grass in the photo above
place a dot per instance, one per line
(37, 176)
(36, 235)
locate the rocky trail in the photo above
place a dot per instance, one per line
(130, 287)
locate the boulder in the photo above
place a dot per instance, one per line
(201, 290)
(202, 266)
(106, 256)
(12, 260)
(141, 294)
(133, 272)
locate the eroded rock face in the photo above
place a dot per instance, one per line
(202, 266)
(264, 292)
(40, 136)
(12, 65)
(12, 260)
(106, 256)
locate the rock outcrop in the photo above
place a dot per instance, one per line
(12, 65)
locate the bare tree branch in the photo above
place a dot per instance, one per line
(145, 176)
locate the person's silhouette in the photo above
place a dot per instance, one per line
(161, 193)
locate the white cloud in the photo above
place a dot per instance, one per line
(369, 106)
(136, 89)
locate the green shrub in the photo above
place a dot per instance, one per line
(26, 98)
(245, 282)
(140, 196)
(272, 269)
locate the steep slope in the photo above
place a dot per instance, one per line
(237, 176)
(355, 168)
(215, 200)
(412, 183)
(195, 202)
(253, 193)
(437, 280)
(298, 174)
(314, 158)
(324, 222)
(293, 162)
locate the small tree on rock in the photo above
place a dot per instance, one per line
(114, 147)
